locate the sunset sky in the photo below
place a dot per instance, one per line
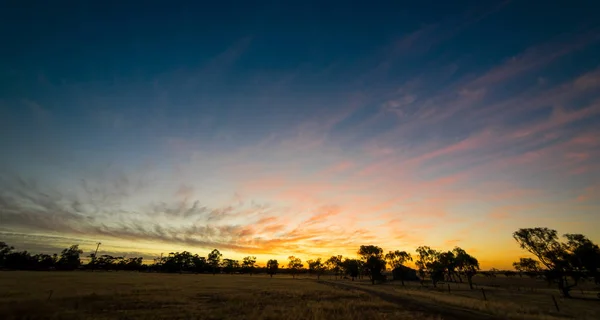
(304, 129)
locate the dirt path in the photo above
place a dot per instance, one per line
(445, 311)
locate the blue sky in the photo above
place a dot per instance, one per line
(275, 129)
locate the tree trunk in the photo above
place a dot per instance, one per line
(271, 275)
(402, 281)
(470, 282)
(459, 277)
(564, 287)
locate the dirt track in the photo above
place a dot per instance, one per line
(445, 311)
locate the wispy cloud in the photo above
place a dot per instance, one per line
(400, 148)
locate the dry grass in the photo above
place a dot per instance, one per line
(123, 295)
(504, 300)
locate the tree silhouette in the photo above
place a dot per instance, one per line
(294, 265)
(316, 266)
(528, 266)
(230, 266)
(334, 263)
(374, 262)
(428, 263)
(214, 260)
(248, 264)
(5, 250)
(199, 263)
(69, 258)
(577, 258)
(179, 262)
(351, 267)
(397, 259)
(448, 261)
(466, 264)
(272, 267)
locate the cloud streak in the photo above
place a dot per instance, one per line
(281, 150)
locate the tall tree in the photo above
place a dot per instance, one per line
(214, 260)
(466, 264)
(248, 264)
(448, 261)
(351, 267)
(69, 258)
(576, 258)
(334, 263)
(373, 259)
(230, 265)
(317, 267)
(428, 264)
(294, 265)
(199, 263)
(5, 250)
(272, 267)
(397, 259)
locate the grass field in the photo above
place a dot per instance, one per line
(132, 295)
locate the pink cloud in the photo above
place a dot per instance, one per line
(590, 193)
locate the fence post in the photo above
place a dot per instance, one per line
(483, 292)
(555, 303)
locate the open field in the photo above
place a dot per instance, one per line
(132, 295)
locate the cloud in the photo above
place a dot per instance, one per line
(382, 154)
(589, 194)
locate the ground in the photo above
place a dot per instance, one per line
(132, 295)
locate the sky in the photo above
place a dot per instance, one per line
(303, 128)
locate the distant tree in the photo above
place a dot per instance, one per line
(466, 264)
(373, 259)
(528, 266)
(230, 266)
(5, 250)
(309, 262)
(576, 258)
(134, 264)
(316, 267)
(175, 262)
(45, 261)
(214, 260)
(19, 260)
(199, 263)
(69, 258)
(448, 261)
(334, 263)
(508, 273)
(397, 259)
(351, 267)
(294, 265)
(248, 264)
(428, 264)
(272, 267)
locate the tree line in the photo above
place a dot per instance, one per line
(565, 263)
